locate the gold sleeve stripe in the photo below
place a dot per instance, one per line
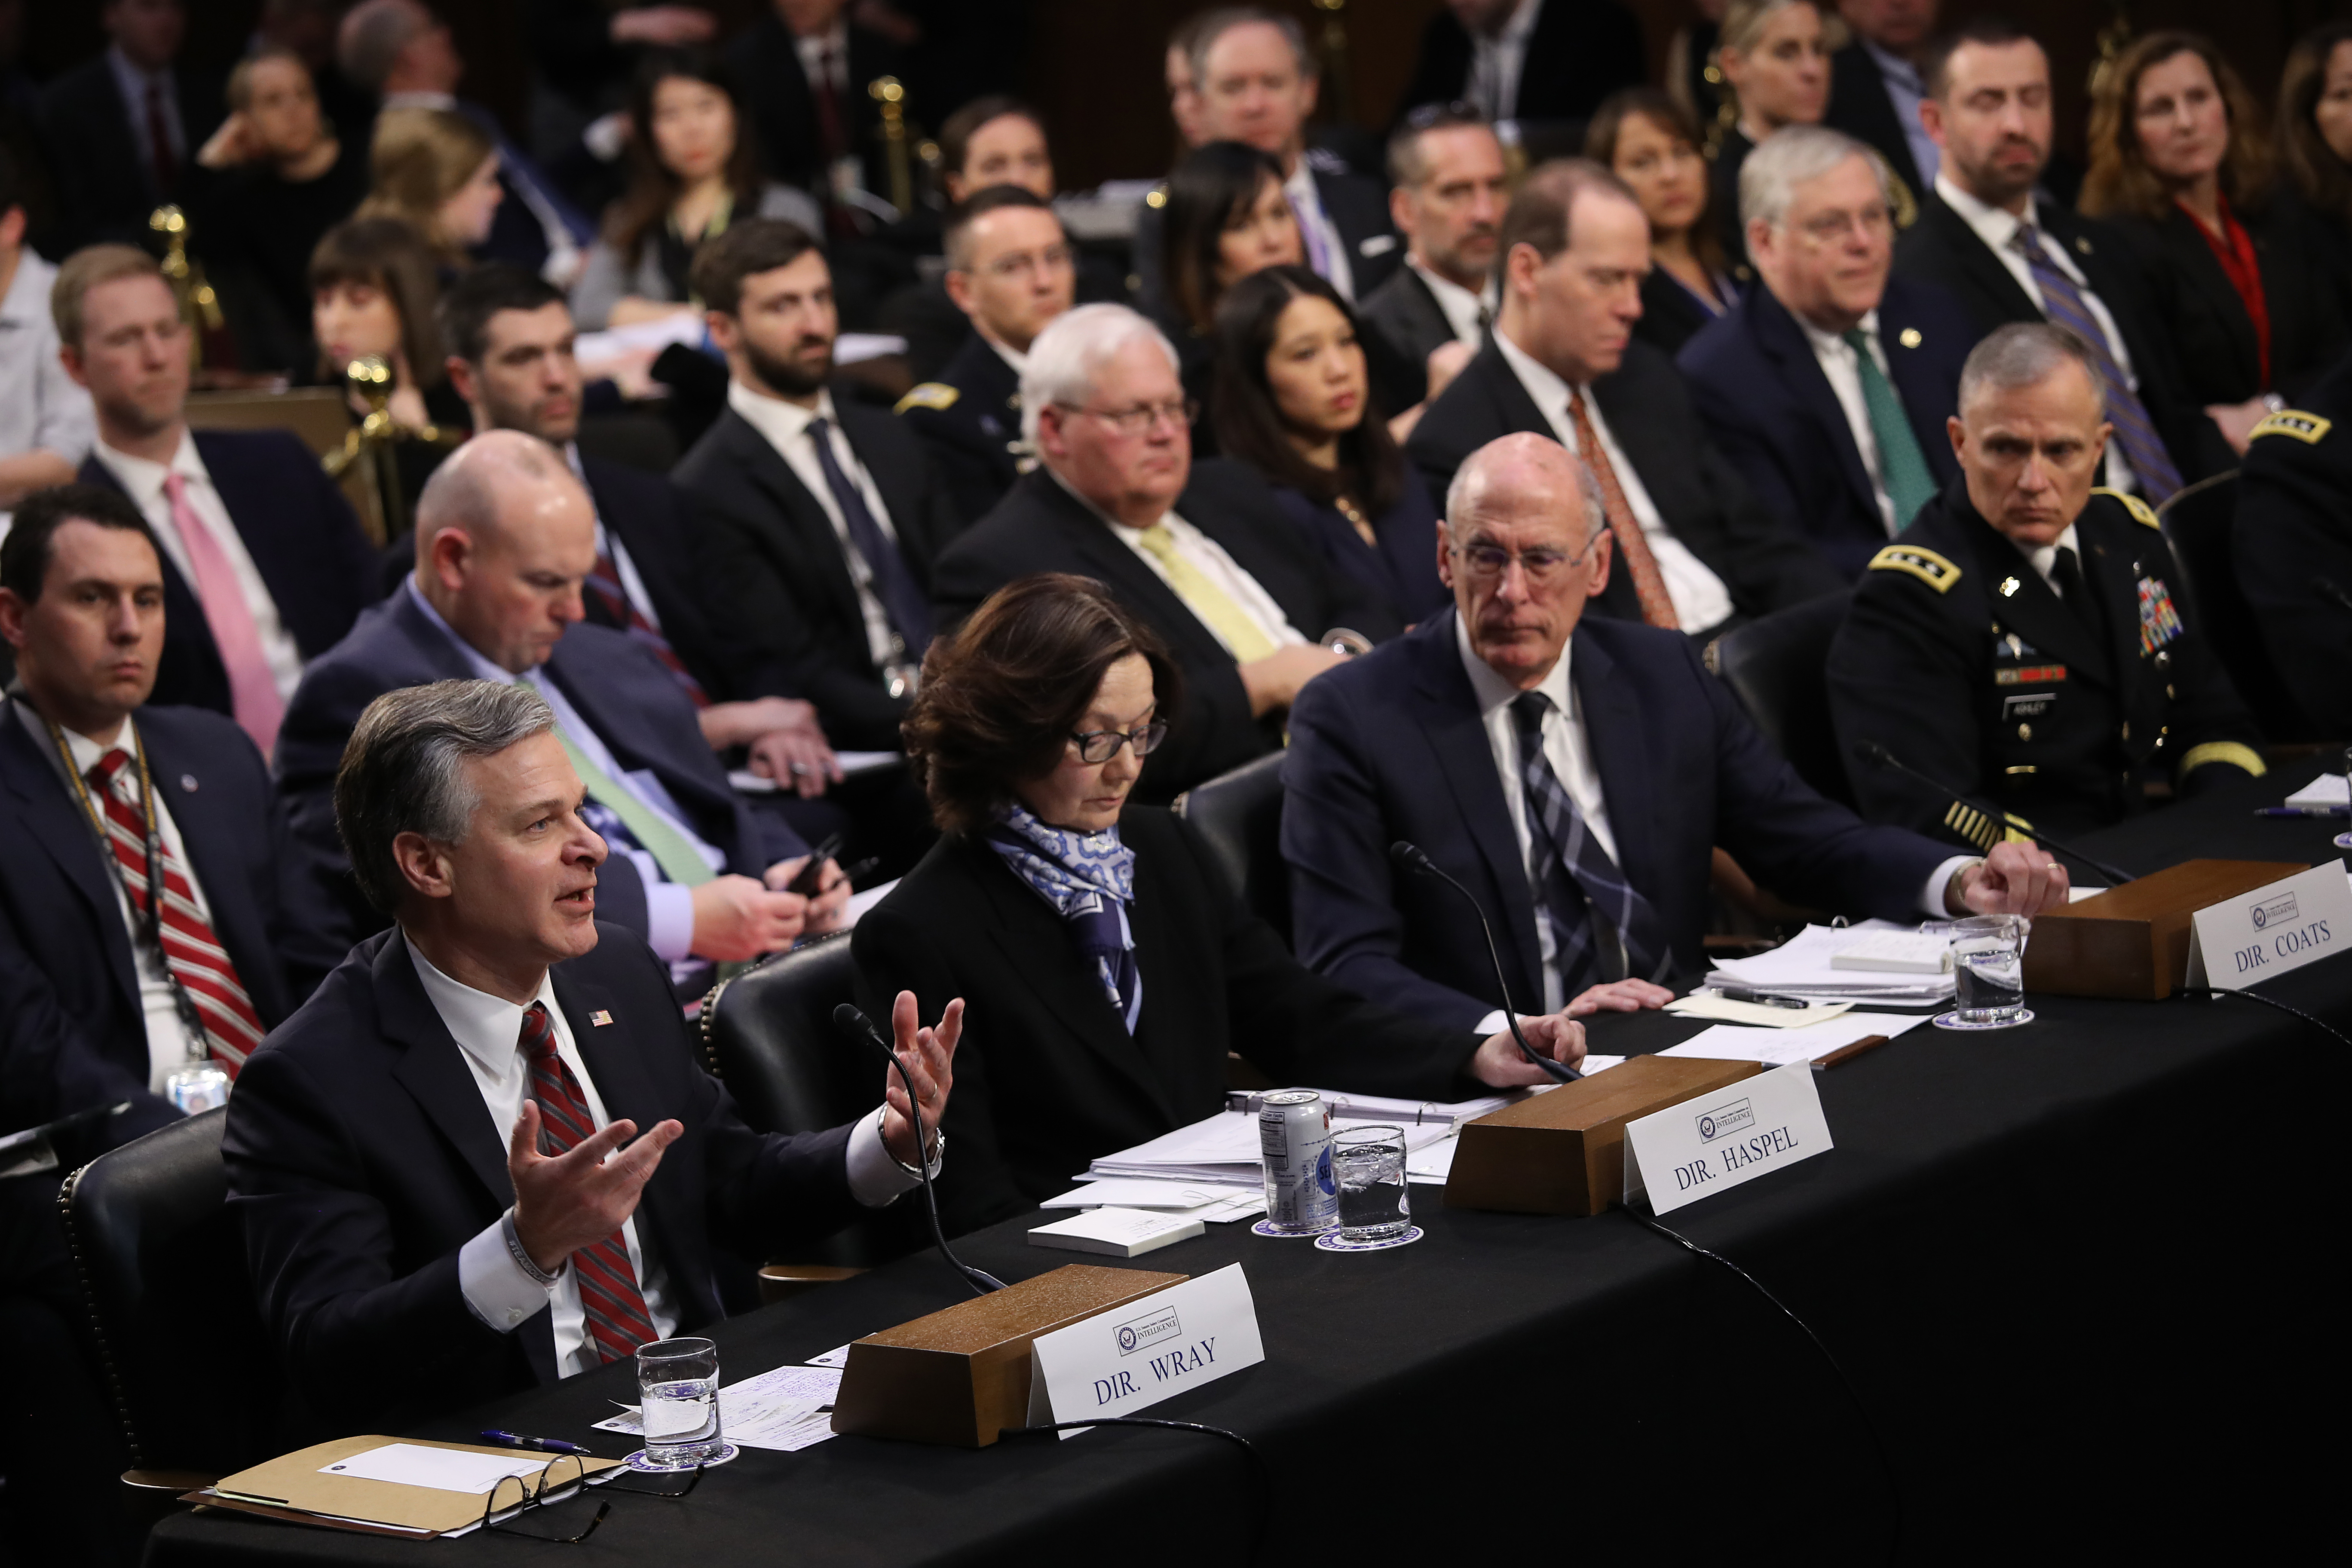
(932, 394)
(2141, 512)
(1971, 825)
(2229, 751)
(2293, 422)
(1925, 564)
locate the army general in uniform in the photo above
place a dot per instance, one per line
(2023, 640)
(2291, 541)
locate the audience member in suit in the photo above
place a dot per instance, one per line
(2291, 541)
(374, 294)
(120, 130)
(2234, 263)
(1775, 61)
(1698, 549)
(1295, 402)
(1650, 142)
(812, 64)
(1827, 387)
(264, 566)
(1450, 187)
(1575, 774)
(506, 542)
(400, 51)
(1875, 88)
(824, 516)
(1009, 271)
(1537, 62)
(429, 1153)
(45, 424)
(1108, 966)
(1985, 237)
(1201, 552)
(2314, 143)
(1225, 217)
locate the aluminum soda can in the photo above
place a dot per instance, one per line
(1293, 1140)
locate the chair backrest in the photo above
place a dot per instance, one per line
(190, 1368)
(1778, 667)
(1239, 815)
(2198, 522)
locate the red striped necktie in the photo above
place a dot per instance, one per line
(604, 581)
(610, 1299)
(191, 952)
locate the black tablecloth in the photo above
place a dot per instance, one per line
(2074, 1270)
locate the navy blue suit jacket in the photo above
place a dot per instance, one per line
(361, 1159)
(635, 705)
(1770, 408)
(1390, 746)
(319, 567)
(60, 910)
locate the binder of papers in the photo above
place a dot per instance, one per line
(384, 1486)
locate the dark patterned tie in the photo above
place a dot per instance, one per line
(2062, 298)
(604, 581)
(1578, 879)
(610, 1298)
(902, 599)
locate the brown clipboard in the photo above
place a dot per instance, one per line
(295, 1487)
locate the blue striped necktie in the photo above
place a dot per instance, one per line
(1577, 880)
(902, 597)
(2062, 298)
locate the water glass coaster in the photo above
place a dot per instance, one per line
(1260, 1228)
(1954, 1021)
(1331, 1241)
(2344, 841)
(636, 1461)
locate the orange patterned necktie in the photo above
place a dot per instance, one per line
(1633, 548)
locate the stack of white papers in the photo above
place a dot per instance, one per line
(1803, 967)
(1380, 1108)
(1114, 1232)
(1223, 1150)
(1207, 1201)
(1780, 1047)
(2328, 789)
(787, 1409)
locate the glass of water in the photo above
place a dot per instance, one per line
(677, 1388)
(1988, 973)
(1367, 1165)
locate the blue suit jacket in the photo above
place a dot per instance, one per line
(319, 567)
(1390, 746)
(1770, 410)
(59, 910)
(635, 705)
(361, 1158)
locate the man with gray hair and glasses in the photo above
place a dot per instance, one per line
(1574, 773)
(2020, 641)
(437, 1161)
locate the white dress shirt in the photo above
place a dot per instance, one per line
(1469, 314)
(1836, 358)
(134, 83)
(143, 482)
(40, 406)
(2044, 560)
(1307, 205)
(827, 56)
(168, 1049)
(489, 1032)
(1904, 90)
(1701, 601)
(786, 427)
(1208, 557)
(1997, 227)
(609, 545)
(1497, 64)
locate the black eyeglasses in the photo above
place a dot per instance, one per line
(1102, 746)
(550, 1486)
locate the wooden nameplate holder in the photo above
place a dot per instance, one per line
(2132, 942)
(1564, 1152)
(961, 1375)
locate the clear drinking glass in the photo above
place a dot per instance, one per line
(677, 1390)
(1368, 1164)
(1988, 971)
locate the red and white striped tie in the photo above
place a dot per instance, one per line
(195, 955)
(610, 1299)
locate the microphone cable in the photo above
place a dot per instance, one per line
(2210, 993)
(856, 1024)
(1876, 754)
(1410, 858)
(1261, 1475)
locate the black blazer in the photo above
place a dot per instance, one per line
(1861, 106)
(361, 1159)
(1391, 747)
(1723, 202)
(1769, 406)
(1671, 317)
(969, 422)
(1042, 527)
(667, 539)
(61, 910)
(1403, 325)
(102, 187)
(1764, 564)
(786, 609)
(624, 694)
(1581, 52)
(2292, 542)
(783, 106)
(1401, 567)
(1048, 1079)
(319, 567)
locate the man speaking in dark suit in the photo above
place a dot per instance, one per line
(1573, 773)
(428, 1159)
(1827, 387)
(1695, 547)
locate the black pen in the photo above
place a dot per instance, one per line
(1760, 998)
(807, 882)
(544, 1445)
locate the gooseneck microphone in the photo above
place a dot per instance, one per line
(858, 1026)
(1408, 858)
(1875, 752)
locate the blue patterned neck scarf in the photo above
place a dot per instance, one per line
(1089, 880)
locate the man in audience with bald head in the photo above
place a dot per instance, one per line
(504, 538)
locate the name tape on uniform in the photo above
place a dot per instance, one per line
(1136, 1355)
(1717, 1141)
(2295, 921)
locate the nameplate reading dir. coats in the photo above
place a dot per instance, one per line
(1716, 1141)
(1134, 1356)
(2292, 921)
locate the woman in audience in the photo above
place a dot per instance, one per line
(1226, 218)
(375, 292)
(691, 172)
(2179, 165)
(1650, 142)
(2315, 143)
(1294, 401)
(1775, 60)
(1106, 964)
(438, 173)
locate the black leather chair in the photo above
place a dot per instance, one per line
(189, 1365)
(1778, 667)
(1239, 815)
(2197, 523)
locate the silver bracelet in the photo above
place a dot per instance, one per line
(939, 1144)
(523, 1258)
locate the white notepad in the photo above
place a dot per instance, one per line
(1114, 1232)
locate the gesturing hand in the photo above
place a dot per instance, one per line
(1500, 1065)
(2015, 879)
(568, 1201)
(930, 1057)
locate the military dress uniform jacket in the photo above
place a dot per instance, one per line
(970, 422)
(2292, 542)
(1959, 659)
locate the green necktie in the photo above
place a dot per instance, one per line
(675, 853)
(1902, 467)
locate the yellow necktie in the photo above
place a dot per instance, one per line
(1205, 599)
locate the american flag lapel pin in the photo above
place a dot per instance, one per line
(600, 1017)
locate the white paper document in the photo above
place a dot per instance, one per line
(852, 765)
(1779, 1048)
(1114, 1232)
(1223, 1150)
(1804, 967)
(787, 1409)
(441, 1470)
(1896, 953)
(2328, 789)
(1755, 1015)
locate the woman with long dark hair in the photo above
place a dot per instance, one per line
(1649, 141)
(1225, 217)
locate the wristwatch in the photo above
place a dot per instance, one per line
(938, 1146)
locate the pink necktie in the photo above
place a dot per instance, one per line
(253, 689)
